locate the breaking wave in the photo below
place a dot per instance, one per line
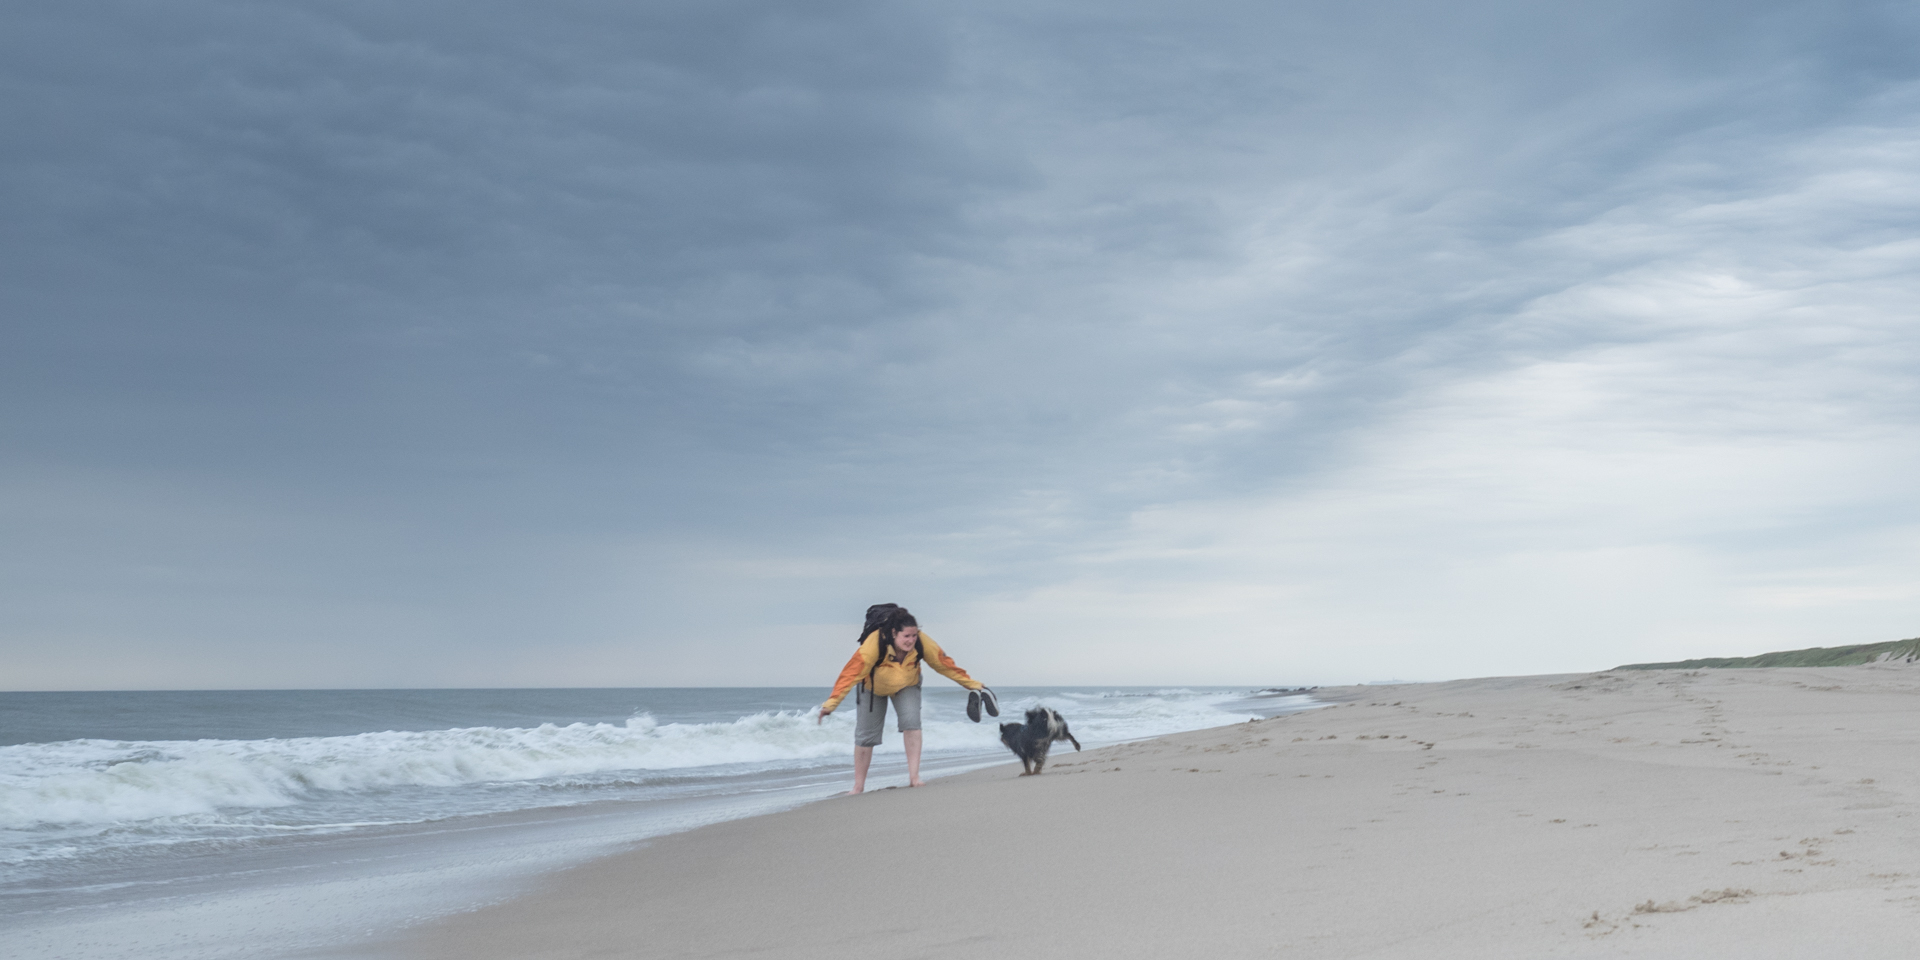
(105, 781)
(161, 789)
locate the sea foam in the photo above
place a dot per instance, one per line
(106, 781)
(160, 790)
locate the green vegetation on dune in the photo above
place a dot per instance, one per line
(1908, 650)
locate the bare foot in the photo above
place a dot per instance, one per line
(850, 793)
(917, 783)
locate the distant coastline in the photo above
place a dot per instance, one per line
(1907, 650)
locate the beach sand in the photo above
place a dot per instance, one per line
(1729, 813)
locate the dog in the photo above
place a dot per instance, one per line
(1030, 741)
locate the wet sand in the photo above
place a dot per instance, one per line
(1750, 813)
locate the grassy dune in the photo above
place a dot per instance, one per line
(1908, 650)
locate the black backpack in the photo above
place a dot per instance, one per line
(876, 618)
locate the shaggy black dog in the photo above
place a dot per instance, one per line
(1030, 741)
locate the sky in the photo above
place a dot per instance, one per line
(476, 344)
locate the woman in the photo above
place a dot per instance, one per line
(894, 677)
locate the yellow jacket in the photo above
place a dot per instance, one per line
(899, 672)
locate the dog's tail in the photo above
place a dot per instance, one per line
(1057, 728)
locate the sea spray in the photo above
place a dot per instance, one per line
(101, 781)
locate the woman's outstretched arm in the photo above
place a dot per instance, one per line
(944, 665)
(863, 660)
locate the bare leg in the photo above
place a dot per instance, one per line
(911, 739)
(862, 759)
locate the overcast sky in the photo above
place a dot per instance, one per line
(581, 343)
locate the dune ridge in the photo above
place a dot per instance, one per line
(1907, 650)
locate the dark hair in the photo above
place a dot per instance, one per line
(895, 620)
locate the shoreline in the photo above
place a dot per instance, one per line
(1608, 814)
(334, 896)
(335, 891)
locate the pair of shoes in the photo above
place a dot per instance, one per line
(982, 697)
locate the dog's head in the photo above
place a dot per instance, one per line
(1010, 733)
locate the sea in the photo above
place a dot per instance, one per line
(206, 825)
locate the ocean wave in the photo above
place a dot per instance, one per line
(105, 781)
(144, 791)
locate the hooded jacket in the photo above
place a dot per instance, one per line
(899, 672)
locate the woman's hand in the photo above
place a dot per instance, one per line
(822, 718)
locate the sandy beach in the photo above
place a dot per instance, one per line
(1749, 813)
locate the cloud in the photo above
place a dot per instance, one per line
(551, 337)
(1704, 451)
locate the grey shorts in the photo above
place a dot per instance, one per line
(872, 712)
